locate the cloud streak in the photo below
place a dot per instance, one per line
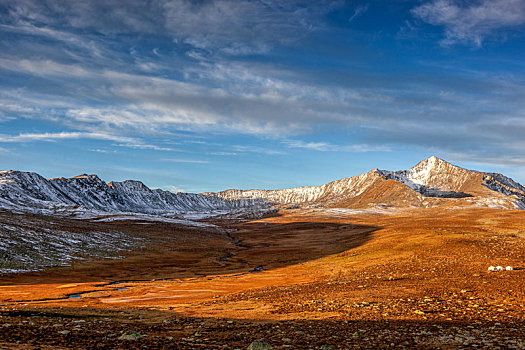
(47, 136)
(76, 135)
(329, 147)
(181, 160)
(471, 21)
(359, 10)
(136, 104)
(235, 27)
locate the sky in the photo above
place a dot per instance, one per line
(215, 94)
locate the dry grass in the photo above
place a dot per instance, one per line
(426, 266)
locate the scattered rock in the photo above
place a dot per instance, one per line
(259, 345)
(131, 335)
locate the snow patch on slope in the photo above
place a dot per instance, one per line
(151, 218)
(29, 243)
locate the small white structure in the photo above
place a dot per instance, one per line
(492, 269)
(509, 268)
(499, 268)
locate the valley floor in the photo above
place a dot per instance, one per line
(303, 279)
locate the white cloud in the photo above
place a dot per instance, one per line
(235, 27)
(44, 68)
(10, 107)
(173, 189)
(101, 150)
(138, 145)
(224, 153)
(250, 102)
(255, 149)
(359, 10)
(54, 34)
(47, 136)
(240, 27)
(328, 147)
(128, 142)
(486, 159)
(471, 21)
(181, 160)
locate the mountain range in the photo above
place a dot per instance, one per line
(432, 182)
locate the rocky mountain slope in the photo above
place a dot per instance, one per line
(432, 182)
(25, 191)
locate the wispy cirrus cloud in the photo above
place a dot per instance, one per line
(101, 150)
(139, 145)
(330, 147)
(184, 160)
(48, 136)
(124, 141)
(358, 11)
(471, 21)
(152, 106)
(236, 27)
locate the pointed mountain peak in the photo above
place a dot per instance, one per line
(433, 162)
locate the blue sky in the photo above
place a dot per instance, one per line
(210, 95)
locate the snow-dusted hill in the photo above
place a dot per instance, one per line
(432, 182)
(24, 191)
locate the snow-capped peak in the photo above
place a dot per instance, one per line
(432, 177)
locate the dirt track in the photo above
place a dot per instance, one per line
(412, 279)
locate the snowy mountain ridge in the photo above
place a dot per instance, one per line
(26, 191)
(350, 186)
(431, 182)
(430, 178)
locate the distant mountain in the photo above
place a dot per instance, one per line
(430, 183)
(26, 191)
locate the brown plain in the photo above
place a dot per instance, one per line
(300, 279)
